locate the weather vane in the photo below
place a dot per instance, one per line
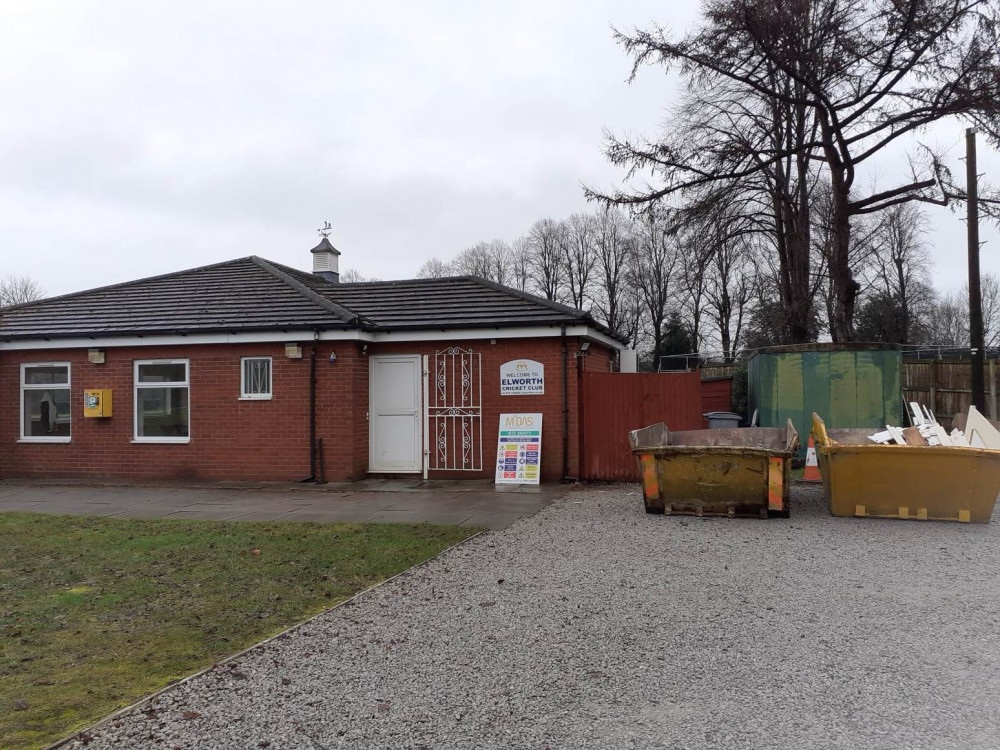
(324, 231)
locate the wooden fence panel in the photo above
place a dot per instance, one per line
(615, 403)
(945, 386)
(709, 372)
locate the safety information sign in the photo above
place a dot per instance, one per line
(519, 449)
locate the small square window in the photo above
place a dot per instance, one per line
(255, 377)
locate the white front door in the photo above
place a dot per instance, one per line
(394, 413)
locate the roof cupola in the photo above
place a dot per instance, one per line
(326, 258)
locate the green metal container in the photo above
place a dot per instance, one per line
(857, 385)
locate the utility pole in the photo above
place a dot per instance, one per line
(975, 293)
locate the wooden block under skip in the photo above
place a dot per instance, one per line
(904, 512)
(963, 516)
(859, 510)
(922, 514)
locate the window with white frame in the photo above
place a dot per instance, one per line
(255, 377)
(162, 413)
(46, 412)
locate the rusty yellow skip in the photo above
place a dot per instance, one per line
(929, 483)
(727, 472)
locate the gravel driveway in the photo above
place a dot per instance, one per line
(592, 625)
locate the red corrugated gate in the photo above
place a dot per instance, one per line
(717, 394)
(612, 404)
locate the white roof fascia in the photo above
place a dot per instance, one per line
(258, 337)
(519, 332)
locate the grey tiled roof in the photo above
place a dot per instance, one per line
(253, 294)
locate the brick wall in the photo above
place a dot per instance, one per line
(550, 404)
(268, 440)
(230, 438)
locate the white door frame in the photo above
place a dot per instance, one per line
(418, 416)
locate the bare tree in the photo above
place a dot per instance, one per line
(520, 263)
(731, 284)
(354, 276)
(16, 290)
(716, 150)
(862, 255)
(695, 255)
(654, 262)
(898, 266)
(865, 73)
(948, 320)
(613, 248)
(502, 256)
(990, 289)
(435, 269)
(948, 315)
(577, 244)
(630, 327)
(545, 260)
(474, 261)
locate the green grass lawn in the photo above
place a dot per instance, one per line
(97, 612)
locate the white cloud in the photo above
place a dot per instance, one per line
(140, 138)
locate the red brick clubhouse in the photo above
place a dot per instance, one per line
(249, 369)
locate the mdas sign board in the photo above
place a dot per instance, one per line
(519, 449)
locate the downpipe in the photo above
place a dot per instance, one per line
(312, 412)
(565, 409)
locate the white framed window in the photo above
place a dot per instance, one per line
(255, 378)
(162, 403)
(46, 406)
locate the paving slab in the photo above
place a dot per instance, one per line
(12, 506)
(142, 513)
(225, 513)
(454, 517)
(494, 521)
(472, 503)
(270, 515)
(331, 515)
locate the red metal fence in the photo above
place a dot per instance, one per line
(716, 394)
(612, 404)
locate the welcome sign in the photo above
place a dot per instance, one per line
(519, 449)
(522, 377)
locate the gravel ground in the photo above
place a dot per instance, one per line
(593, 625)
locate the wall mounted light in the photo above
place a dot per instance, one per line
(95, 356)
(333, 357)
(585, 347)
(364, 348)
(293, 351)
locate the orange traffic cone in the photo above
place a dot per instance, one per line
(811, 473)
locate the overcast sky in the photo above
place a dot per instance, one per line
(141, 138)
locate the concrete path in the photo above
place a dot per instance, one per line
(466, 503)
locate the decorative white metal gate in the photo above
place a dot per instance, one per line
(453, 411)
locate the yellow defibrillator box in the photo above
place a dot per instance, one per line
(97, 403)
